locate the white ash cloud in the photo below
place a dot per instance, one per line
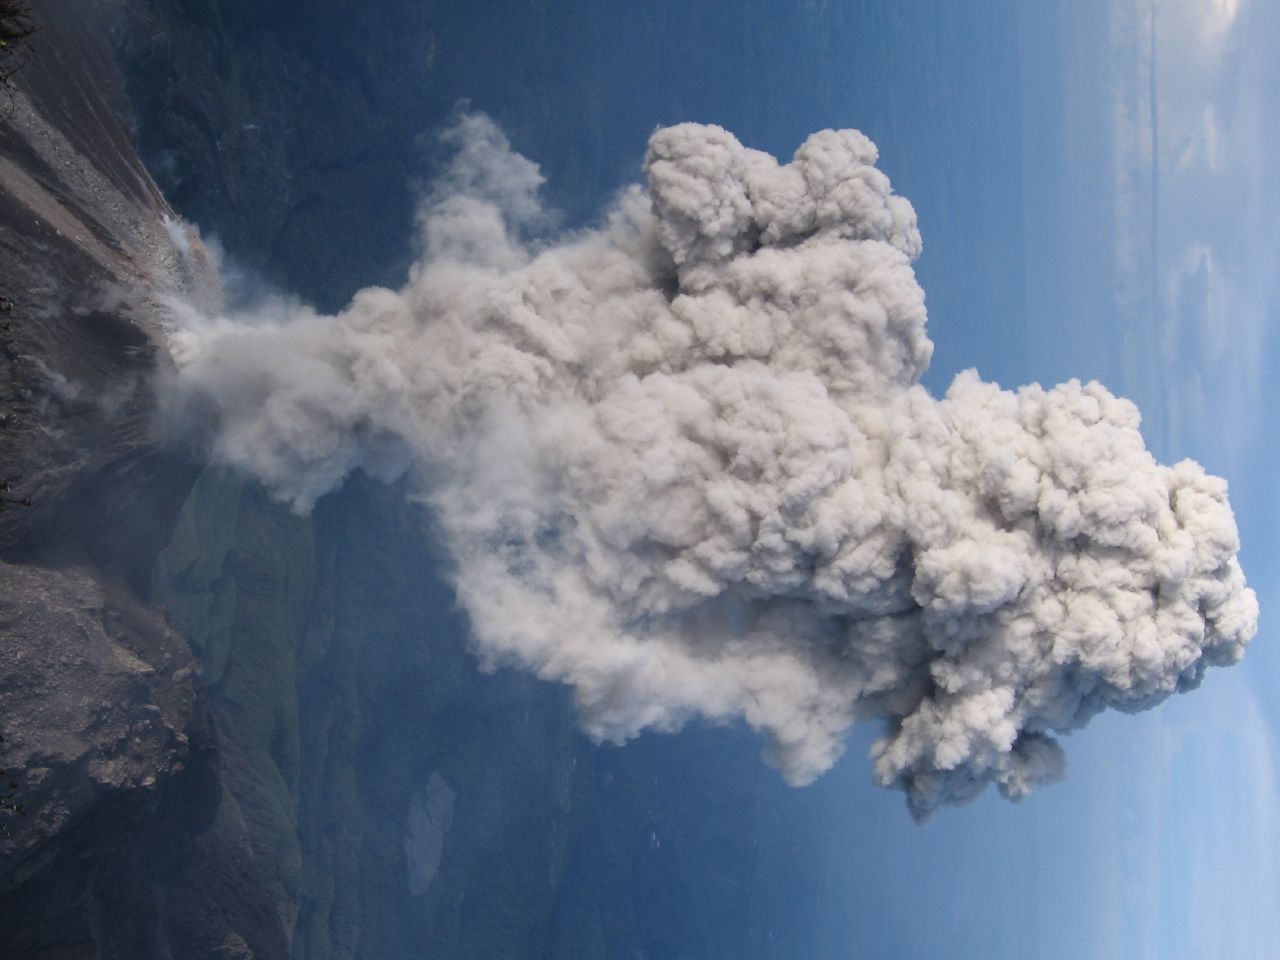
(683, 464)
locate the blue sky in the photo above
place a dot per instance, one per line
(1153, 268)
(1094, 193)
(1137, 243)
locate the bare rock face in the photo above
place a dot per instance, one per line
(89, 704)
(87, 244)
(131, 845)
(97, 700)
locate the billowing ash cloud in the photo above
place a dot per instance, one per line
(683, 464)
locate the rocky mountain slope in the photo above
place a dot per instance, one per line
(127, 848)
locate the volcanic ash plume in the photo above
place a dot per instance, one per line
(683, 465)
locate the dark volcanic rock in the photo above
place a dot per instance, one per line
(97, 699)
(131, 846)
(85, 244)
(107, 742)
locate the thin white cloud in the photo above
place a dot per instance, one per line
(1194, 196)
(1219, 16)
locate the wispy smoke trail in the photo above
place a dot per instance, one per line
(683, 464)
